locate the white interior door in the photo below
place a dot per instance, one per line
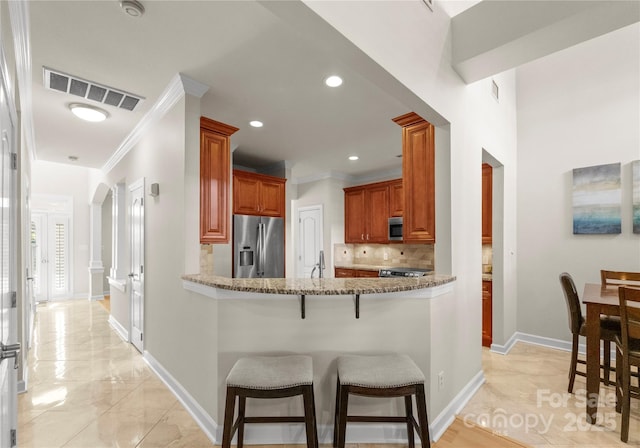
(136, 194)
(8, 260)
(311, 236)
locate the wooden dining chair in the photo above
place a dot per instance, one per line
(628, 348)
(619, 278)
(609, 329)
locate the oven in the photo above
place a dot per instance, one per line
(403, 272)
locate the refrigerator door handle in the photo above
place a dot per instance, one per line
(263, 254)
(259, 251)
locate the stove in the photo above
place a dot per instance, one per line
(403, 272)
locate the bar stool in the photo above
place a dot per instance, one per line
(380, 376)
(269, 377)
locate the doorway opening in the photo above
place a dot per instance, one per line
(493, 253)
(51, 255)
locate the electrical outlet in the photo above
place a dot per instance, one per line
(440, 380)
(385, 256)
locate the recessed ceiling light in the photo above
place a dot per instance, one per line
(256, 123)
(88, 113)
(132, 7)
(333, 81)
(353, 157)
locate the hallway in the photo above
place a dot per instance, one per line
(88, 388)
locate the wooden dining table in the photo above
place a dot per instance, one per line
(599, 301)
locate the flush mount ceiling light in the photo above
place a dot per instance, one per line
(353, 158)
(132, 8)
(333, 81)
(88, 113)
(256, 124)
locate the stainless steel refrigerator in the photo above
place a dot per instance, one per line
(258, 246)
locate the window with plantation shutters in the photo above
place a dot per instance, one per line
(60, 263)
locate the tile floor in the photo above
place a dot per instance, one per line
(89, 389)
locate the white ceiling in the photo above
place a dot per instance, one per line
(257, 66)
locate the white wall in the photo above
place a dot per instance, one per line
(69, 180)
(576, 108)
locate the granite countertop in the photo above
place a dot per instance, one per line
(320, 286)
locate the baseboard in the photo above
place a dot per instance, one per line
(504, 349)
(202, 418)
(543, 341)
(97, 297)
(442, 422)
(119, 329)
(23, 384)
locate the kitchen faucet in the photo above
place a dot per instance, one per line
(319, 266)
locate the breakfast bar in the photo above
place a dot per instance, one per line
(263, 317)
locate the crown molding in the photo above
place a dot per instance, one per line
(321, 176)
(193, 87)
(18, 11)
(175, 90)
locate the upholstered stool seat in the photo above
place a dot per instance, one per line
(393, 375)
(269, 377)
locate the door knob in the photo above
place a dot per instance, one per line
(132, 275)
(10, 351)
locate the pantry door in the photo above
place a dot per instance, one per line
(310, 241)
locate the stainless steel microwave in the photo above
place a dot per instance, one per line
(395, 229)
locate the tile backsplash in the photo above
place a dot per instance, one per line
(206, 259)
(487, 258)
(396, 255)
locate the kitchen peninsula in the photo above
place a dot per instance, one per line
(263, 316)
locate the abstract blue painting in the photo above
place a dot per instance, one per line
(635, 176)
(597, 197)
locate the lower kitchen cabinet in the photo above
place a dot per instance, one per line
(353, 273)
(487, 314)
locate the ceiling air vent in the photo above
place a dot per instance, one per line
(90, 90)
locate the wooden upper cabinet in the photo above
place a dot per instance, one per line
(418, 177)
(367, 212)
(354, 228)
(215, 167)
(258, 194)
(487, 203)
(377, 214)
(396, 198)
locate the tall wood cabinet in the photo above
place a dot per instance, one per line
(367, 212)
(215, 168)
(487, 203)
(487, 314)
(418, 177)
(258, 194)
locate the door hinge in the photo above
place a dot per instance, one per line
(141, 337)
(142, 202)
(14, 161)
(14, 299)
(14, 438)
(141, 269)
